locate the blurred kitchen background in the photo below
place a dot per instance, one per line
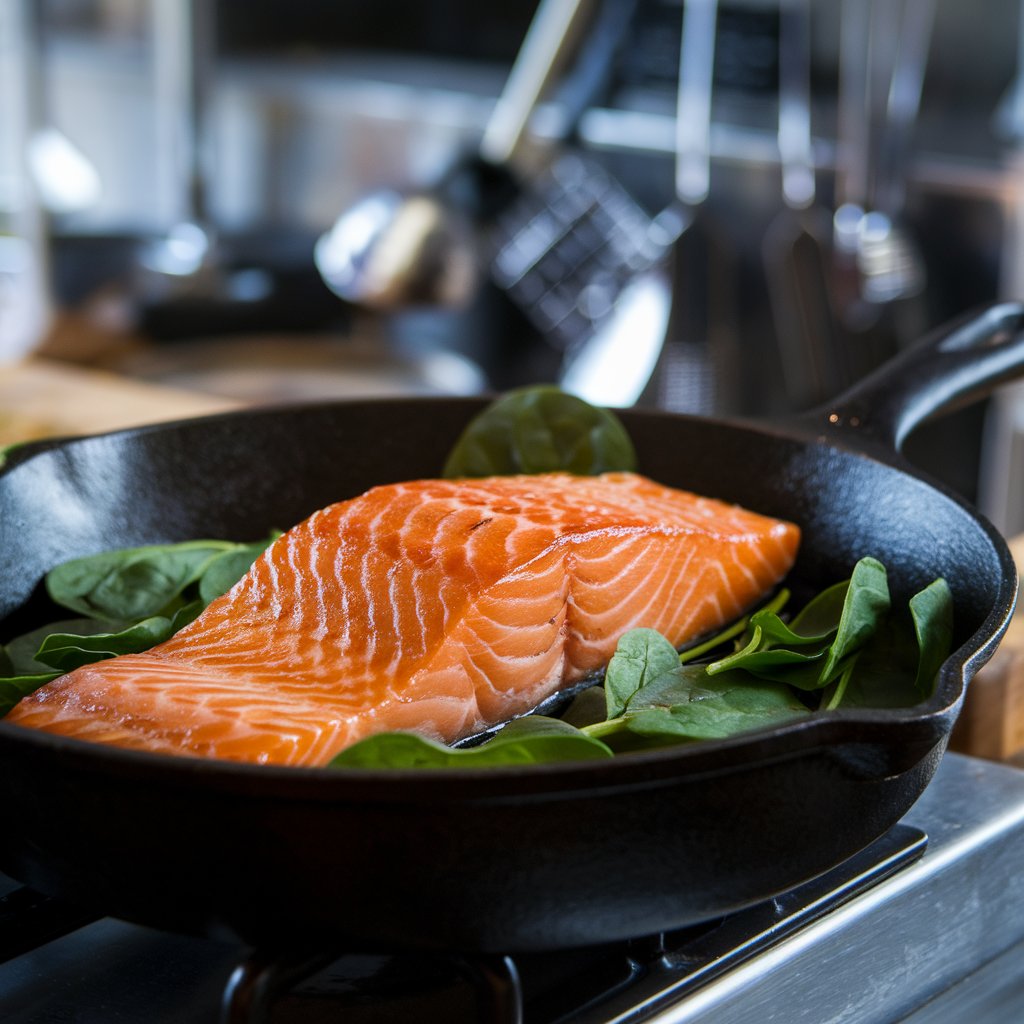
(257, 200)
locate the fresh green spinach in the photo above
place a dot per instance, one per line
(899, 665)
(20, 653)
(714, 708)
(132, 584)
(227, 568)
(531, 740)
(68, 651)
(133, 599)
(809, 652)
(14, 689)
(541, 429)
(642, 657)
(686, 703)
(932, 612)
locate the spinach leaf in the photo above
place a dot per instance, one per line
(67, 651)
(21, 673)
(740, 628)
(131, 584)
(14, 688)
(759, 657)
(541, 429)
(898, 666)
(530, 740)
(226, 569)
(185, 614)
(866, 604)
(686, 684)
(688, 704)
(641, 656)
(881, 675)
(6, 449)
(809, 652)
(116, 590)
(932, 612)
(718, 707)
(811, 630)
(21, 651)
(819, 618)
(644, 659)
(774, 630)
(588, 707)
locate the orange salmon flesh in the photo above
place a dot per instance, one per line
(439, 606)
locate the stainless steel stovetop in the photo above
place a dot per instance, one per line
(927, 928)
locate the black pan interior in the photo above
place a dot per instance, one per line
(482, 860)
(241, 475)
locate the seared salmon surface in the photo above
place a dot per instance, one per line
(439, 606)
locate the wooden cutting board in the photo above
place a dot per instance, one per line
(44, 398)
(991, 724)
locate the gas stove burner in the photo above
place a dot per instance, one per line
(909, 921)
(637, 978)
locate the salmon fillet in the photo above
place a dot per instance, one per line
(438, 606)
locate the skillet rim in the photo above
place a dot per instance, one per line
(924, 723)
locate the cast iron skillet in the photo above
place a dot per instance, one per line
(502, 859)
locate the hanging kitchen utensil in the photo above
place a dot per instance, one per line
(582, 259)
(797, 246)
(698, 368)
(392, 250)
(184, 258)
(578, 255)
(882, 65)
(891, 263)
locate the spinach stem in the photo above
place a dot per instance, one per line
(839, 687)
(736, 629)
(606, 728)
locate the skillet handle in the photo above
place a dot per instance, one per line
(949, 368)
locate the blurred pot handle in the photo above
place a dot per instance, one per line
(949, 368)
